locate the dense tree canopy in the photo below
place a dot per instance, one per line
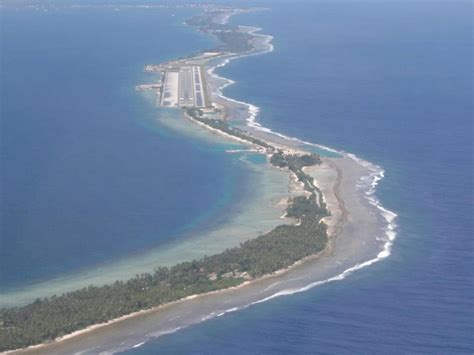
(49, 318)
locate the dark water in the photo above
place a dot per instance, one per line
(390, 81)
(87, 176)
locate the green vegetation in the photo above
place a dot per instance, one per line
(52, 317)
(232, 39)
(301, 207)
(223, 126)
(49, 318)
(295, 162)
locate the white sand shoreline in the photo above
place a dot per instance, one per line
(347, 251)
(62, 345)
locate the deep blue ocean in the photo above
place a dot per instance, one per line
(87, 176)
(390, 81)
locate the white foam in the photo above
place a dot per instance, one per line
(381, 255)
(232, 151)
(209, 316)
(219, 314)
(164, 332)
(138, 345)
(367, 184)
(230, 310)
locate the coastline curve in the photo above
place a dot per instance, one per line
(364, 177)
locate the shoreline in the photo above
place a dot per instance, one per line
(340, 212)
(157, 309)
(144, 312)
(69, 342)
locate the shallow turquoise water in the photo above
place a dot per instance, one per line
(391, 82)
(256, 158)
(381, 83)
(88, 174)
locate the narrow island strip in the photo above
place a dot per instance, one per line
(183, 85)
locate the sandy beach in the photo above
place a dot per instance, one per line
(359, 231)
(357, 236)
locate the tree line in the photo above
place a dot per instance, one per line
(52, 317)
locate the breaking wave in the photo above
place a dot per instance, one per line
(367, 184)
